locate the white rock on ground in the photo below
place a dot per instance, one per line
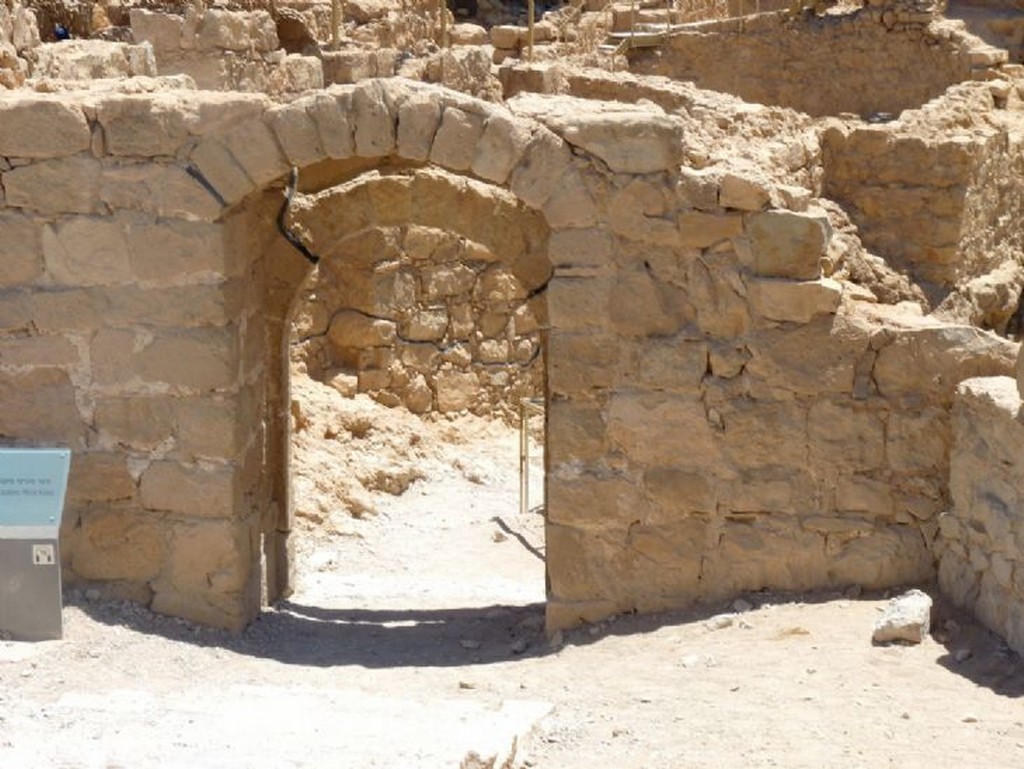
(905, 618)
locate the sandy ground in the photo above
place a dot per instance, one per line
(416, 638)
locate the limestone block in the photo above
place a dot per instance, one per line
(42, 127)
(672, 364)
(201, 491)
(203, 359)
(455, 143)
(587, 247)
(144, 125)
(331, 113)
(540, 169)
(24, 29)
(576, 431)
(170, 250)
(296, 133)
(39, 407)
(578, 303)
(718, 295)
(99, 477)
(38, 351)
(20, 250)
(905, 618)
(427, 325)
(447, 280)
(896, 555)
(766, 435)
(208, 428)
(698, 188)
(647, 427)
(419, 116)
(930, 360)
(208, 575)
(219, 168)
(69, 185)
(392, 200)
(505, 36)
(301, 73)
(176, 306)
(374, 121)
(742, 194)
(641, 305)
(161, 30)
(164, 190)
(629, 138)
(236, 31)
(354, 329)
(674, 491)
(62, 309)
(254, 147)
(794, 302)
(700, 230)
(863, 494)
(455, 390)
(137, 422)
(571, 204)
(785, 244)
(120, 544)
(849, 436)
(587, 500)
(502, 144)
(86, 251)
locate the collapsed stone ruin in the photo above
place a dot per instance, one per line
(764, 266)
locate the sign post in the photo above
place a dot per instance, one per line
(33, 483)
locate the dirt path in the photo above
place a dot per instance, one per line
(416, 638)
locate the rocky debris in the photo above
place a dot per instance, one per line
(905, 618)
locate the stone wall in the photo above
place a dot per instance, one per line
(423, 318)
(723, 415)
(822, 65)
(981, 542)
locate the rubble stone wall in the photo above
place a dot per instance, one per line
(722, 414)
(981, 541)
(818, 65)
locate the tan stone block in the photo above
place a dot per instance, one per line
(167, 191)
(742, 194)
(211, 574)
(39, 408)
(38, 126)
(111, 353)
(254, 147)
(392, 200)
(86, 251)
(647, 427)
(204, 359)
(373, 120)
(427, 325)
(456, 140)
(698, 188)
(589, 500)
(99, 477)
(419, 116)
(208, 428)
(37, 351)
(117, 544)
(578, 303)
(162, 31)
(700, 230)
(55, 186)
(139, 422)
(719, 296)
(502, 144)
(571, 204)
(330, 112)
(591, 247)
(784, 244)
(585, 362)
(672, 364)
(794, 302)
(20, 250)
(169, 250)
(642, 305)
(539, 171)
(455, 390)
(764, 435)
(221, 170)
(863, 494)
(144, 125)
(896, 555)
(186, 489)
(354, 329)
(674, 492)
(575, 432)
(917, 442)
(296, 133)
(66, 310)
(847, 436)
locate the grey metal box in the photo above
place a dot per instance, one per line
(30, 599)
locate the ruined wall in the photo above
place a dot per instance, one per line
(939, 196)
(423, 318)
(722, 414)
(225, 50)
(981, 541)
(821, 65)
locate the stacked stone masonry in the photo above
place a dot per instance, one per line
(733, 402)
